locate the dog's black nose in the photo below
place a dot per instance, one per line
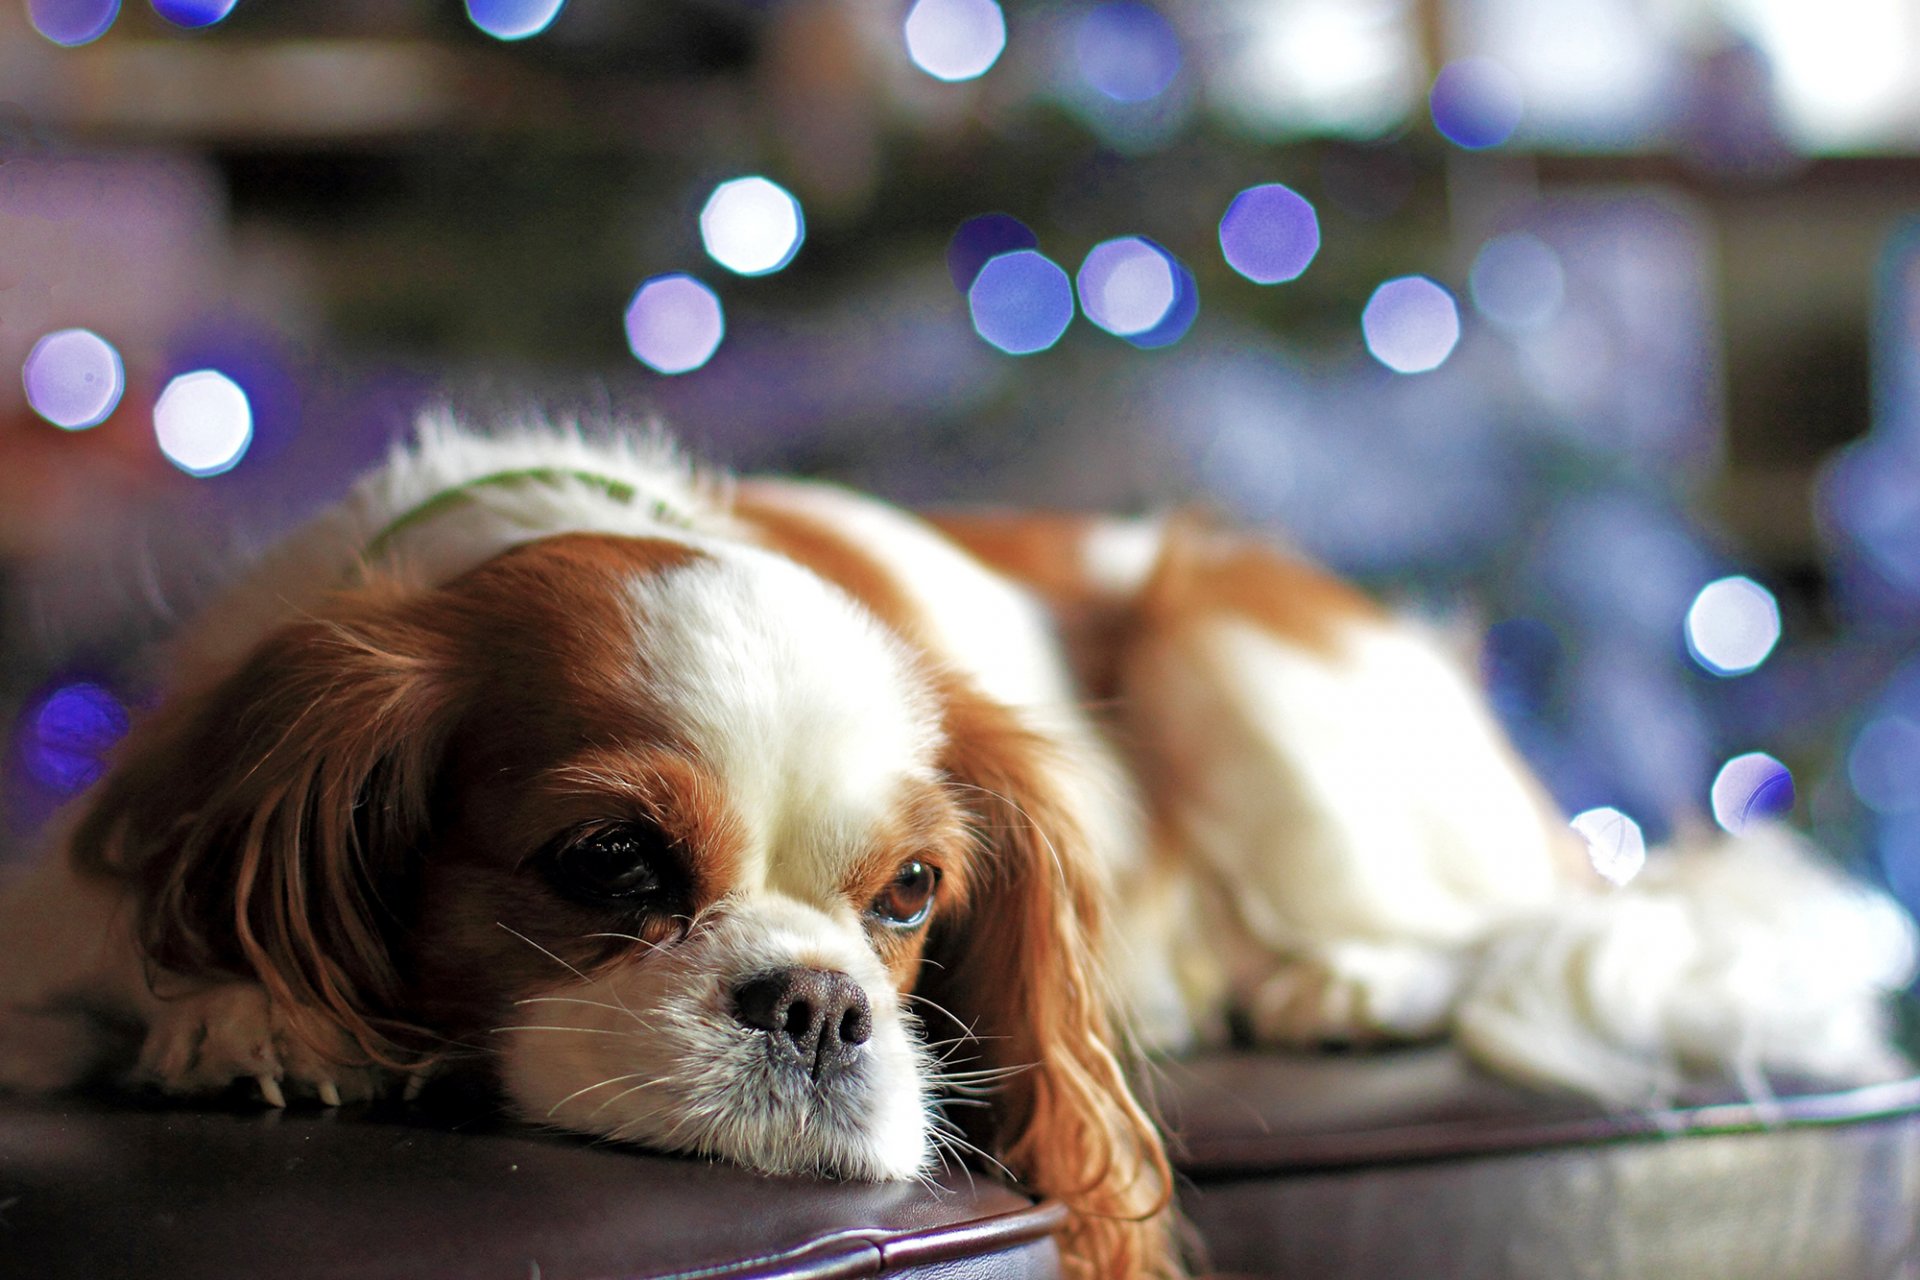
(817, 1017)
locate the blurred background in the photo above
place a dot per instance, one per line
(1590, 328)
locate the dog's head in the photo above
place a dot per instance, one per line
(685, 842)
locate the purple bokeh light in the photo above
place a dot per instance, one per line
(1127, 51)
(1269, 234)
(514, 19)
(1517, 282)
(193, 13)
(1021, 302)
(65, 735)
(72, 22)
(980, 239)
(955, 40)
(1476, 103)
(1411, 324)
(1883, 765)
(1750, 789)
(73, 378)
(674, 323)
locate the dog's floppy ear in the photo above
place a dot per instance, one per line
(265, 821)
(1020, 971)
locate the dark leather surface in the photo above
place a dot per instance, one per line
(93, 1190)
(1413, 1164)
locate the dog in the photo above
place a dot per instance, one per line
(762, 820)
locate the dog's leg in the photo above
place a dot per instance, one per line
(1357, 820)
(76, 995)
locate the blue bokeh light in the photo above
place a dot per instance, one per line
(1750, 789)
(955, 40)
(1883, 765)
(752, 226)
(1180, 316)
(72, 22)
(1517, 282)
(1476, 103)
(1270, 233)
(1021, 302)
(203, 422)
(73, 378)
(981, 239)
(193, 13)
(1126, 286)
(514, 19)
(65, 735)
(1411, 324)
(1127, 51)
(674, 323)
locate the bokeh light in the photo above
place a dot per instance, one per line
(1517, 282)
(73, 378)
(955, 39)
(1411, 324)
(193, 13)
(1749, 789)
(1884, 765)
(674, 323)
(1127, 285)
(1021, 302)
(1732, 625)
(752, 226)
(1127, 51)
(1476, 103)
(65, 736)
(1615, 844)
(1269, 234)
(72, 22)
(1180, 316)
(203, 422)
(979, 240)
(514, 19)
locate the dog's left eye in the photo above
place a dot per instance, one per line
(628, 866)
(908, 896)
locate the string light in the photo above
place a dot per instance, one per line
(1517, 282)
(65, 737)
(674, 323)
(954, 40)
(73, 378)
(752, 226)
(72, 22)
(1749, 789)
(1269, 234)
(1411, 324)
(1127, 285)
(1021, 302)
(1615, 844)
(1126, 51)
(1476, 103)
(514, 19)
(1732, 625)
(979, 240)
(193, 13)
(203, 422)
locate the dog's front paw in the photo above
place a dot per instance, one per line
(1354, 993)
(202, 1042)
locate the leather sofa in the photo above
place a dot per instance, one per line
(1399, 1164)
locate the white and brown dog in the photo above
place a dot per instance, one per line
(756, 819)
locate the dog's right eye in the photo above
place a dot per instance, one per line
(631, 865)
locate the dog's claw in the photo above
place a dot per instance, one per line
(329, 1093)
(270, 1091)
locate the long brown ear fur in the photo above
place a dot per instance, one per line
(263, 820)
(1021, 973)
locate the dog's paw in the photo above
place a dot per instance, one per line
(1354, 993)
(202, 1042)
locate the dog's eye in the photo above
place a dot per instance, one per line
(908, 896)
(629, 866)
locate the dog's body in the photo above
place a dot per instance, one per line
(700, 811)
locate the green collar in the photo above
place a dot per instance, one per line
(619, 490)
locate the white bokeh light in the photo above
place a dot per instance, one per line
(955, 39)
(752, 226)
(1749, 789)
(1615, 844)
(1126, 286)
(1517, 282)
(73, 378)
(1411, 324)
(674, 324)
(1732, 626)
(203, 422)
